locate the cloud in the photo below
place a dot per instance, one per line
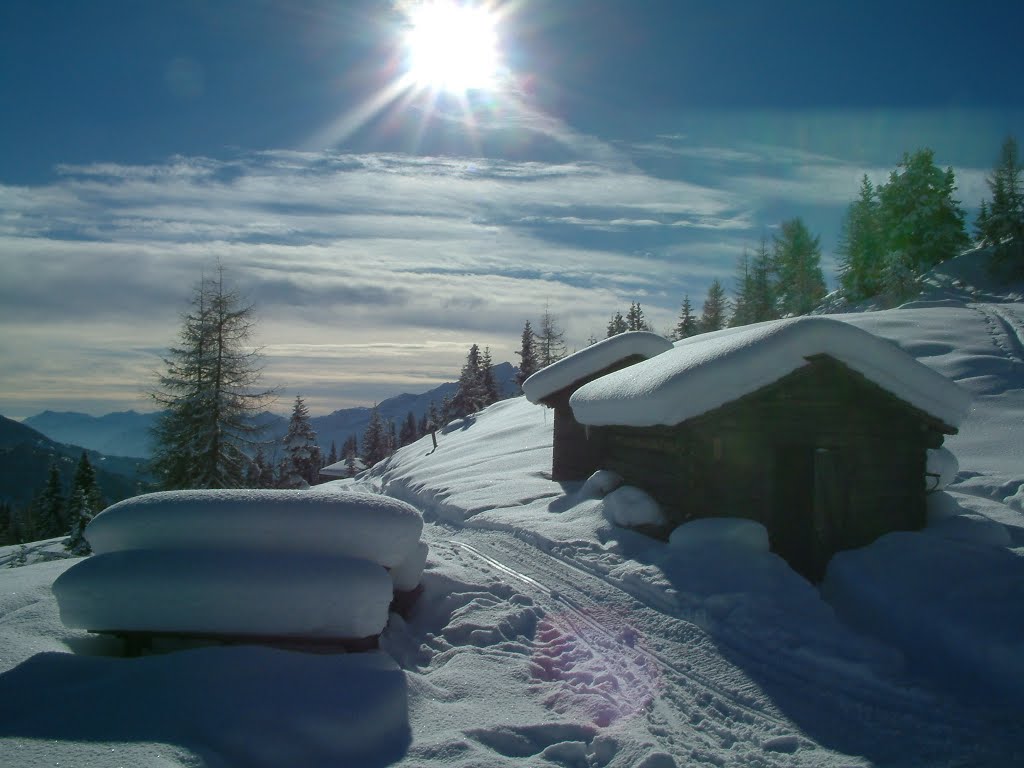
(366, 268)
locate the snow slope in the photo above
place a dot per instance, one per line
(547, 635)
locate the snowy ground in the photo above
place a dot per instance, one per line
(546, 635)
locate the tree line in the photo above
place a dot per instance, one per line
(54, 512)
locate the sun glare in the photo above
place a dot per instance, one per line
(452, 46)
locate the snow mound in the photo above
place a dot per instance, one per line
(734, 533)
(944, 603)
(231, 592)
(629, 506)
(600, 484)
(360, 525)
(707, 371)
(943, 463)
(406, 575)
(591, 360)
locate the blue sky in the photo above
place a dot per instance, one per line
(631, 152)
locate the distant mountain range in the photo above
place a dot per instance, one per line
(26, 455)
(127, 433)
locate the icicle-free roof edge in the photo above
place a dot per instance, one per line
(704, 373)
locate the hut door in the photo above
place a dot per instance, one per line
(806, 496)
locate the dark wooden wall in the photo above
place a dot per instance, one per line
(824, 458)
(577, 452)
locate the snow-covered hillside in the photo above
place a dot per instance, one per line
(549, 636)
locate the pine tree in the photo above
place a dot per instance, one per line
(48, 510)
(489, 383)
(712, 316)
(635, 320)
(207, 393)
(261, 471)
(860, 249)
(6, 523)
(85, 481)
(797, 260)
(409, 433)
(332, 455)
(919, 218)
(1001, 221)
(470, 396)
(375, 439)
(688, 324)
(300, 467)
(617, 325)
(79, 515)
(550, 340)
(528, 364)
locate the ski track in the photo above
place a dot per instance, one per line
(872, 703)
(1005, 328)
(600, 614)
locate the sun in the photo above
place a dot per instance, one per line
(452, 46)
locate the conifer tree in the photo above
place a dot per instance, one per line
(470, 396)
(528, 363)
(6, 523)
(1000, 222)
(617, 325)
(797, 260)
(48, 510)
(300, 467)
(261, 471)
(712, 316)
(332, 455)
(761, 301)
(408, 433)
(861, 250)
(85, 481)
(921, 223)
(208, 394)
(688, 324)
(635, 320)
(79, 515)
(375, 439)
(488, 382)
(550, 340)
(743, 292)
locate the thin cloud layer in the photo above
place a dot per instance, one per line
(371, 273)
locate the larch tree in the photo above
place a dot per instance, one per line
(797, 260)
(743, 292)
(1000, 222)
(528, 363)
(550, 340)
(208, 394)
(300, 467)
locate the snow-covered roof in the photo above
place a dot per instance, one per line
(591, 360)
(707, 371)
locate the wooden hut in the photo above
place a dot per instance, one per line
(574, 456)
(813, 427)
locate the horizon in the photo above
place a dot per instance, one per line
(381, 226)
